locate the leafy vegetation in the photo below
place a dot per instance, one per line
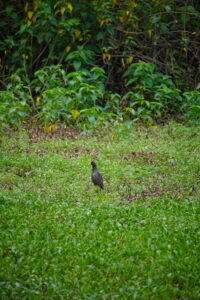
(107, 33)
(153, 94)
(62, 99)
(81, 97)
(12, 109)
(63, 238)
(129, 60)
(192, 106)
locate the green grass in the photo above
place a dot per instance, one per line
(62, 238)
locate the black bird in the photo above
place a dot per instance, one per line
(96, 177)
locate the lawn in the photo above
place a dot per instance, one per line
(63, 238)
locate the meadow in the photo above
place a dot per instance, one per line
(64, 238)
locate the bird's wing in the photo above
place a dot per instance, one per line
(97, 178)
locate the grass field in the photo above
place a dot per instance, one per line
(62, 238)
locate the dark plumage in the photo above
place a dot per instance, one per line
(96, 177)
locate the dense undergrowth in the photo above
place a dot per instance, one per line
(61, 238)
(81, 98)
(98, 61)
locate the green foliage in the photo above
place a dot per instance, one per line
(12, 109)
(14, 103)
(113, 103)
(55, 106)
(192, 104)
(81, 33)
(96, 117)
(152, 42)
(87, 85)
(153, 96)
(59, 97)
(62, 96)
(63, 239)
(80, 58)
(47, 78)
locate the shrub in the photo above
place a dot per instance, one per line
(61, 96)
(153, 95)
(15, 101)
(192, 106)
(13, 110)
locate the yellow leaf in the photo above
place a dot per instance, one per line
(53, 127)
(75, 113)
(103, 21)
(37, 100)
(106, 56)
(26, 7)
(133, 4)
(184, 49)
(30, 14)
(151, 125)
(67, 49)
(127, 12)
(35, 5)
(62, 11)
(47, 128)
(130, 59)
(69, 6)
(149, 32)
(55, 5)
(77, 33)
(121, 19)
(123, 64)
(114, 2)
(60, 31)
(29, 23)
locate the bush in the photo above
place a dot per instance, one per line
(192, 106)
(61, 96)
(80, 96)
(153, 95)
(15, 102)
(13, 110)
